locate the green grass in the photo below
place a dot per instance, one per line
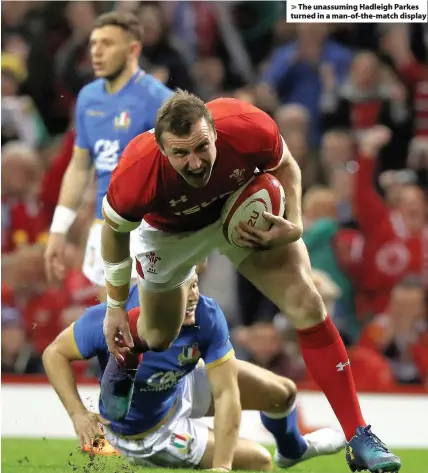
(63, 456)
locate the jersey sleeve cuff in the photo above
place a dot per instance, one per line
(76, 346)
(221, 360)
(283, 156)
(115, 221)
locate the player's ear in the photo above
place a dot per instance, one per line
(136, 48)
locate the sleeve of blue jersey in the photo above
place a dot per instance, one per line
(88, 331)
(217, 345)
(81, 139)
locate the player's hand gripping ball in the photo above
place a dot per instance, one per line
(262, 193)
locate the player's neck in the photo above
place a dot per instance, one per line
(117, 84)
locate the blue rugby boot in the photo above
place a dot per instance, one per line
(117, 383)
(365, 451)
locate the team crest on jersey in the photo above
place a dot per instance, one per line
(122, 121)
(238, 175)
(190, 354)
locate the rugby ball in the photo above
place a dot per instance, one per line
(261, 193)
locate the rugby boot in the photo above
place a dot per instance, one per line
(365, 451)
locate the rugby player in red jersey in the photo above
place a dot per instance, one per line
(172, 182)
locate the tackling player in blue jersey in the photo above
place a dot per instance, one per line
(174, 388)
(119, 105)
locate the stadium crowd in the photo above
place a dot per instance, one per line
(351, 101)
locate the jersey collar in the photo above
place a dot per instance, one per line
(138, 75)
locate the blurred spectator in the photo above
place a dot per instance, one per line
(52, 177)
(264, 346)
(159, 50)
(371, 370)
(24, 221)
(20, 119)
(294, 72)
(40, 307)
(293, 123)
(396, 43)
(209, 73)
(369, 96)
(396, 240)
(73, 62)
(322, 235)
(17, 355)
(401, 333)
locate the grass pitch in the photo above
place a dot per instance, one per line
(63, 456)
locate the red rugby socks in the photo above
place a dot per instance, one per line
(327, 360)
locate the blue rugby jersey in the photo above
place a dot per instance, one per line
(159, 379)
(105, 123)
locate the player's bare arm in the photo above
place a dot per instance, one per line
(57, 360)
(117, 271)
(289, 175)
(72, 188)
(224, 385)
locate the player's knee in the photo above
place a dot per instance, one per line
(262, 461)
(158, 341)
(305, 307)
(283, 395)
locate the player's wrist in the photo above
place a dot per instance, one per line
(118, 277)
(114, 304)
(62, 220)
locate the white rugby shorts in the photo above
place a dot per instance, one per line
(181, 441)
(168, 260)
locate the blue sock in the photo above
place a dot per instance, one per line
(288, 438)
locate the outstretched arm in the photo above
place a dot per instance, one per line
(370, 208)
(224, 386)
(57, 360)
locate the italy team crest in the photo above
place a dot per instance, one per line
(181, 442)
(190, 354)
(122, 121)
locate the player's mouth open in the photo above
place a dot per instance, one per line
(197, 172)
(190, 309)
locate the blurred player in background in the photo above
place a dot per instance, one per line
(174, 388)
(110, 111)
(177, 179)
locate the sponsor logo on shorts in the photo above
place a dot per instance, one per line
(190, 354)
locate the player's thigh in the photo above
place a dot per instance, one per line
(262, 390)
(249, 455)
(166, 259)
(162, 313)
(283, 275)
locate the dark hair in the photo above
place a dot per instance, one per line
(125, 20)
(179, 113)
